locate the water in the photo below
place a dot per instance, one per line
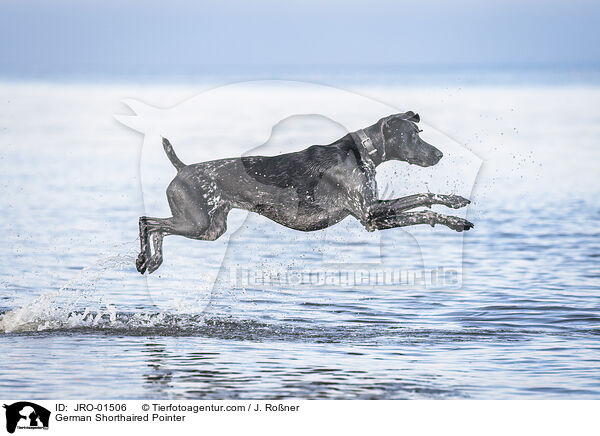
(79, 322)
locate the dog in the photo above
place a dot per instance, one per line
(306, 190)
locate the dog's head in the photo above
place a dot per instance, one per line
(401, 140)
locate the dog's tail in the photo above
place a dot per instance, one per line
(171, 155)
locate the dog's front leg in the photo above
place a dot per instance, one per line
(418, 200)
(384, 221)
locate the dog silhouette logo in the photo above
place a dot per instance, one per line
(26, 415)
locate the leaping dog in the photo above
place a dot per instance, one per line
(306, 190)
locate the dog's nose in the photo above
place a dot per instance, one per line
(438, 154)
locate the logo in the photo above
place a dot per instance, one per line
(26, 415)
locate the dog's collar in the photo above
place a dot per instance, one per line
(368, 146)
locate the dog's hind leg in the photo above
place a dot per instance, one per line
(198, 213)
(151, 229)
(200, 225)
(145, 254)
(157, 258)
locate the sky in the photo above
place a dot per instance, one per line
(70, 36)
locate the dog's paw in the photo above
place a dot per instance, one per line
(460, 224)
(455, 201)
(468, 225)
(153, 266)
(141, 263)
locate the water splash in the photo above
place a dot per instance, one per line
(74, 305)
(85, 301)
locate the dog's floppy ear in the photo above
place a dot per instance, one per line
(411, 116)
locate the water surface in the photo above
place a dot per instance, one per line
(79, 322)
